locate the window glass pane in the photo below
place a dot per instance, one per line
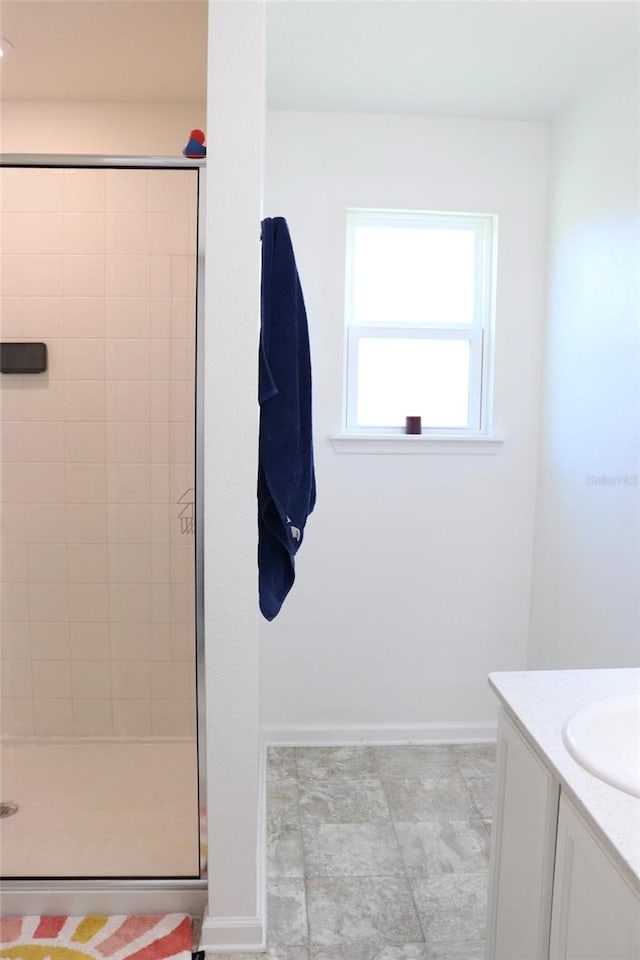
(412, 377)
(412, 275)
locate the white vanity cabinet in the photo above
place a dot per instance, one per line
(596, 913)
(555, 891)
(522, 851)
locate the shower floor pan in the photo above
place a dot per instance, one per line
(99, 809)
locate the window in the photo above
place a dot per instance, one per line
(418, 313)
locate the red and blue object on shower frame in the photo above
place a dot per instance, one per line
(195, 148)
(286, 476)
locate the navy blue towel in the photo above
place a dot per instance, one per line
(286, 478)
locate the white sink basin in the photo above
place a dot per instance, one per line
(604, 737)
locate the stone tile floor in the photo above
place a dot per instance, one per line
(378, 853)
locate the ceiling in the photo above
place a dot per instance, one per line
(476, 58)
(142, 50)
(516, 60)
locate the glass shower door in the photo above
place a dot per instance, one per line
(97, 489)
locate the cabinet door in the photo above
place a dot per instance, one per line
(522, 851)
(596, 914)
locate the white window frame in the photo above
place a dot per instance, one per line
(479, 334)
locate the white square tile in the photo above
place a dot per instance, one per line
(31, 275)
(46, 523)
(11, 395)
(129, 523)
(15, 641)
(129, 563)
(32, 190)
(160, 641)
(160, 358)
(126, 190)
(51, 679)
(160, 602)
(84, 233)
(84, 359)
(159, 447)
(12, 441)
(127, 400)
(48, 601)
(161, 563)
(128, 359)
(129, 603)
(13, 563)
(83, 317)
(43, 398)
(159, 482)
(128, 442)
(183, 318)
(84, 191)
(159, 399)
(11, 491)
(130, 641)
(132, 718)
(171, 191)
(50, 640)
(88, 602)
(43, 442)
(86, 482)
(182, 642)
(31, 232)
(126, 276)
(47, 563)
(127, 483)
(14, 602)
(126, 233)
(159, 310)
(89, 641)
(16, 678)
(87, 523)
(85, 442)
(84, 275)
(183, 562)
(168, 233)
(92, 718)
(16, 716)
(87, 563)
(183, 402)
(13, 516)
(130, 679)
(44, 482)
(42, 320)
(127, 317)
(172, 718)
(158, 280)
(84, 400)
(53, 717)
(90, 679)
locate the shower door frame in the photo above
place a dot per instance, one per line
(95, 894)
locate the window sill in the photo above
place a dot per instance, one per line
(401, 443)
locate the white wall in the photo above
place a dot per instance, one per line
(585, 607)
(235, 915)
(413, 581)
(134, 129)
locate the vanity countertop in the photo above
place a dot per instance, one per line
(541, 702)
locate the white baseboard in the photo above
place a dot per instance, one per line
(353, 734)
(233, 935)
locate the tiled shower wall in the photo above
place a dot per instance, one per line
(97, 473)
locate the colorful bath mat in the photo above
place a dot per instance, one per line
(159, 937)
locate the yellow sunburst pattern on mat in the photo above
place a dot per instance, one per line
(98, 937)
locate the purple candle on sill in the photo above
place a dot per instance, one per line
(413, 425)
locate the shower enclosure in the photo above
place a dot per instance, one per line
(100, 616)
